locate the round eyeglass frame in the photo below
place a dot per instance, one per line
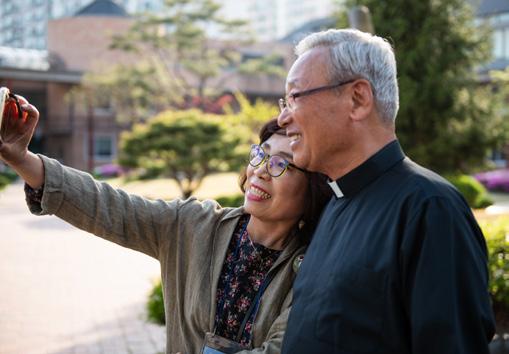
(267, 158)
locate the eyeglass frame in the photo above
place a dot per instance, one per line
(267, 157)
(283, 102)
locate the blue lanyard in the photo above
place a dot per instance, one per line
(255, 305)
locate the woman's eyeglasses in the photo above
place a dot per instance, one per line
(275, 166)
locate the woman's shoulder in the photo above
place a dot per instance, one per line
(208, 208)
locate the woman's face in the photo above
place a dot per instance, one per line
(276, 199)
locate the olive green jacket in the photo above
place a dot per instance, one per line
(188, 237)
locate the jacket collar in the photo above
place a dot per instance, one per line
(226, 226)
(360, 177)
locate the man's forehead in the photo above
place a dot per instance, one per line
(307, 66)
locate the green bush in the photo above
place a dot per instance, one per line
(235, 200)
(496, 232)
(9, 174)
(4, 181)
(473, 191)
(155, 305)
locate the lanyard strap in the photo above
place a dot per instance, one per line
(255, 305)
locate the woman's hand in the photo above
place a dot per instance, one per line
(16, 133)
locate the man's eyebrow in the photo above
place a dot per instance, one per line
(292, 82)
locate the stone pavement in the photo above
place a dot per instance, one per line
(63, 291)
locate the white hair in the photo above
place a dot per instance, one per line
(355, 54)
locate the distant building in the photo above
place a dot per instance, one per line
(80, 135)
(25, 22)
(76, 134)
(275, 19)
(496, 12)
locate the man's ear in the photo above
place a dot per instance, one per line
(362, 99)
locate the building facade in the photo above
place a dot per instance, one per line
(496, 14)
(76, 133)
(25, 22)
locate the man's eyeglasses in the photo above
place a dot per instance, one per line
(289, 100)
(275, 166)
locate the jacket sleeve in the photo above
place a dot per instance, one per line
(274, 339)
(96, 207)
(445, 281)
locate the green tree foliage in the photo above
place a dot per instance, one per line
(129, 89)
(177, 63)
(496, 233)
(186, 64)
(155, 305)
(250, 117)
(446, 121)
(183, 145)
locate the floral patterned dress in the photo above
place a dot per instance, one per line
(244, 270)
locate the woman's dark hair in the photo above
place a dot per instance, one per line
(319, 192)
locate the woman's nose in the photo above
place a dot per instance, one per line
(261, 170)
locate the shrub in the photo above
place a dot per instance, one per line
(235, 200)
(496, 232)
(474, 192)
(186, 146)
(4, 181)
(155, 305)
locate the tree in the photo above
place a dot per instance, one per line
(446, 121)
(250, 117)
(183, 145)
(129, 89)
(178, 62)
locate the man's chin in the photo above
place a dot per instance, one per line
(301, 161)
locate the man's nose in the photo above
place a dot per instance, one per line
(284, 118)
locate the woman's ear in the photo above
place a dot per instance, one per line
(362, 99)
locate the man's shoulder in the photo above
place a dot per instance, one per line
(423, 182)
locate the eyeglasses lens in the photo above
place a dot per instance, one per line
(276, 166)
(256, 156)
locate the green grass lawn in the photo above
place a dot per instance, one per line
(213, 186)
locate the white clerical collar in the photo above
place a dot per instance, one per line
(335, 188)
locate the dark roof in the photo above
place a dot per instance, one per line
(492, 7)
(102, 8)
(309, 27)
(497, 64)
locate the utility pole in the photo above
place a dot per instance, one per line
(90, 129)
(359, 18)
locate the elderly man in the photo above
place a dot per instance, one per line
(398, 263)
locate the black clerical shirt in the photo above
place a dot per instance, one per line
(397, 265)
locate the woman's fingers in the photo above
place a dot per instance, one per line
(30, 114)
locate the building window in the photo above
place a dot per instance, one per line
(501, 43)
(104, 147)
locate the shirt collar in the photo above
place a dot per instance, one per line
(355, 180)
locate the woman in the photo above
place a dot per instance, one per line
(226, 272)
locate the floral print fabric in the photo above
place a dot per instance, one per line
(244, 270)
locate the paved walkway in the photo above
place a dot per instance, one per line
(63, 291)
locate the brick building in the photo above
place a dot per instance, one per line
(78, 135)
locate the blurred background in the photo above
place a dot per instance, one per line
(163, 99)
